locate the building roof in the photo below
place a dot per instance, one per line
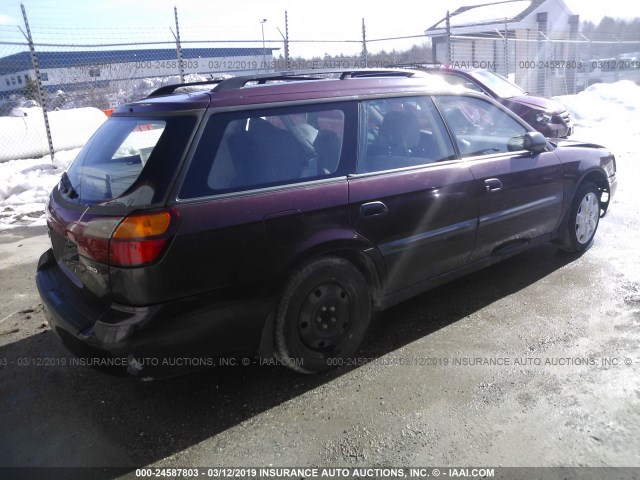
(19, 62)
(495, 13)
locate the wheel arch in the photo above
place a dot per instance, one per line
(354, 249)
(600, 180)
(594, 177)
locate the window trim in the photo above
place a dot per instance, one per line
(263, 190)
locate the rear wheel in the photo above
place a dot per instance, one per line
(584, 217)
(322, 316)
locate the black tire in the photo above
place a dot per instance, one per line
(583, 220)
(322, 316)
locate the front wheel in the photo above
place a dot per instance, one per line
(322, 316)
(584, 217)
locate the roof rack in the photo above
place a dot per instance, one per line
(169, 89)
(423, 65)
(234, 83)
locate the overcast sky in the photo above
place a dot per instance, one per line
(110, 21)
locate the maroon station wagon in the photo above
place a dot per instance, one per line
(274, 213)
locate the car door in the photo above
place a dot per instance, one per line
(260, 184)
(520, 193)
(410, 197)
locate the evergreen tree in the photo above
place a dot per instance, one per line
(30, 90)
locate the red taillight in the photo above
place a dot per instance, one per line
(92, 237)
(140, 239)
(133, 241)
(131, 253)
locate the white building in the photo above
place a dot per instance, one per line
(533, 41)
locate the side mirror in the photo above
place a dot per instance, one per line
(535, 142)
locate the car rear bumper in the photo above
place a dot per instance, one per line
(151, 341)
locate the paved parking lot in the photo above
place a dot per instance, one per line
(535, 361)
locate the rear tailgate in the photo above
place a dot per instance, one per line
(78, 279)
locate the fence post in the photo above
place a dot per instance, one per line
(34, 61)
(572, 54)
(506, 48)
(587, 69)
(178, 46)
(286, 41)
(449, 58)
(548, 53)
(364, 45)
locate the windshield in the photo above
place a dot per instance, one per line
(125, 152)
(498, 84)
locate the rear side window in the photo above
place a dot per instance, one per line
(128, 157)
(247, 150)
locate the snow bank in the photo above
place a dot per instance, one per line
(25, 136)
(609, 114)
(606, 109)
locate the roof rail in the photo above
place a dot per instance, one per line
(424, 65)
(234, 83)
(262, 78)
(168, 89)
(380, 72)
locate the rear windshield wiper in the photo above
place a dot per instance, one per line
(67, 187)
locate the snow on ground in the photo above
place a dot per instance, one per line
(25, 186)
(608, 114)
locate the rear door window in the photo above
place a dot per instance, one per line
(402, 132)
(262, 148)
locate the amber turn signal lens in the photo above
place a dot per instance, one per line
(142, 226)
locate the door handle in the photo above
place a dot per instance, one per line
(492, 184)
(373, 209)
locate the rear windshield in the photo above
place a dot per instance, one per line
(130, 160)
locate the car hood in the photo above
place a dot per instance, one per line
(539, 103)
(563, 142)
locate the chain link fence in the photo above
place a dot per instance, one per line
(107, 68)
(561, 63)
